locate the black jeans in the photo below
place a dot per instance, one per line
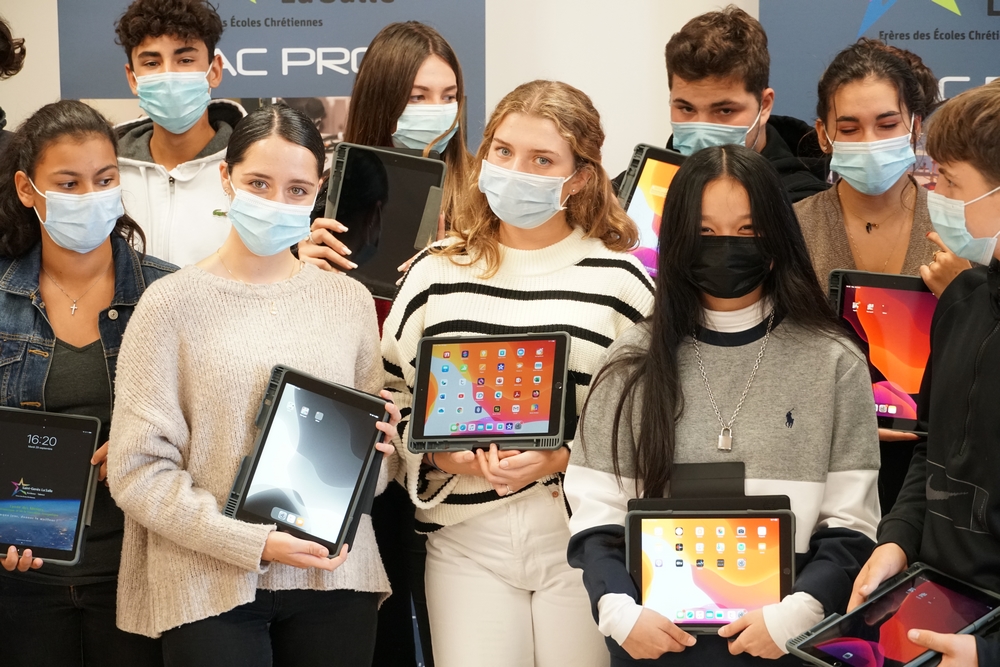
(403, 552)
(329, 628)
(67, 626)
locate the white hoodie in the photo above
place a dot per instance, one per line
(176, 208)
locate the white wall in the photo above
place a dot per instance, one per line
(38, 83)
(610, 49)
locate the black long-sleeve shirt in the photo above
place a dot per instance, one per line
(948, 512)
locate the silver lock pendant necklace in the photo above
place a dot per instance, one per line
(726, 434)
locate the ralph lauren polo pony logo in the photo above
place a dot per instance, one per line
(789, 419)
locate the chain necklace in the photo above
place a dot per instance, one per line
(868, 228)
(274, 309)
(72, 309)
(726, 435)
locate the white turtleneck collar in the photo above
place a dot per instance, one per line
(736, 321)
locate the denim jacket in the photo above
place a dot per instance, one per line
(26, 337)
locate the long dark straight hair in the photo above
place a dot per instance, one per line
(791, 285)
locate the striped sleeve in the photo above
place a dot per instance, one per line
(401, 333)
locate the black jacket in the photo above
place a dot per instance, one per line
(802, 171)
(948, 512)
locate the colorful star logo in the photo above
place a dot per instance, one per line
(18, 485)
(878, 8)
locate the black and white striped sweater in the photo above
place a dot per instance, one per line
(576, 285)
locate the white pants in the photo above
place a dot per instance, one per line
(500, 592)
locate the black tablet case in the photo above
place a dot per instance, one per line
(263, 412)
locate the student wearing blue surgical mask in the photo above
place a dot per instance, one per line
(872, 99)
(70, 277)
(539, 244)
(169, 157)
(191, 374)
(869, 113)
(947, 513)
(409, 93)
(718, 69)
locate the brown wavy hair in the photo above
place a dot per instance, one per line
(594, 209)
(382, 89)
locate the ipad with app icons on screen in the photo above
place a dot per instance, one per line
(889, 318)
(705, 569)
(471, 391)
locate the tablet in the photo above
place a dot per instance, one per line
(50, 483)
(390, 202)
(705, 569)
(473, 391)
(643, 193)
(874, 634)
(310, 465)
(889, 318)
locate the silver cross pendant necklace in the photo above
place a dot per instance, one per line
(72, 309)
(726, 435)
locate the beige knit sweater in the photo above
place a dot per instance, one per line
(822, 221)
(193, 367)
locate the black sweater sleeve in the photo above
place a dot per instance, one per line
(600, 553)
(904, 525)
(828, 570)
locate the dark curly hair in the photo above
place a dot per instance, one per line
(19, 226)
(12, 52)
(186, 19)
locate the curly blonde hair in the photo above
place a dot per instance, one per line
(594, 209)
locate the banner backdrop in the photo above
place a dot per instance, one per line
(278, 48)
(958, 39)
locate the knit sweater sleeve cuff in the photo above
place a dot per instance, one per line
(618, 614)
(791, 617)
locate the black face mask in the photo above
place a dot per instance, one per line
(728, 267)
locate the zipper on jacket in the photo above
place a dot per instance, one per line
(168, 228)
(975, 381)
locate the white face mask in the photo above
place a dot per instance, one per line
(520, 199)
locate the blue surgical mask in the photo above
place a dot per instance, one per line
(420, 124)
(81, 222)
(872, 167)
(520, 199)
(268, 227)
(948, 219)
(689, 138)
(174, 100)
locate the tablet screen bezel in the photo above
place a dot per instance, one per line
(841, 278)
(817, 635)
(69, 422)
(556, 406)
(642, 154)
(338, 393)
(382, 286)
(786, 541)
